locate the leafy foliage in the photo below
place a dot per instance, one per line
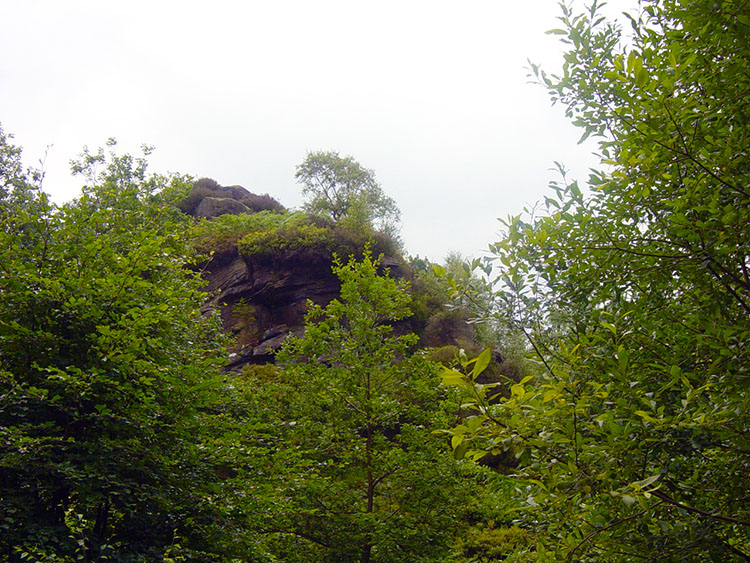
(295, 233)
(341, 189)
(276, 235)
(635, 299)
(356, 473)
(219, 234)
(107, 368)
(485, 544)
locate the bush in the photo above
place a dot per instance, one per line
(430, 294)
(220, 234)
(447, 327)
(262, 202)
(312, 234)
(492, 544)
(261, 373)
(285, 238)
(352, 241)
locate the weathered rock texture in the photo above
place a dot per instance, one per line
(209, 199)
(262, 299)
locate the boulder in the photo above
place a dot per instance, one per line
(201, 201)
(215, 206)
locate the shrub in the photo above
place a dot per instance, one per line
(430, 293)
(220, 234)
(262, 203)
(352, 241)
(492, 544)
(285, 238)
(244, 314)
(269, 233)
(261, 373)
(204, 187)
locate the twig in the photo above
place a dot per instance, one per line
(657, 493)
(605, 528)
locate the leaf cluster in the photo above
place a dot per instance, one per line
(341, 189)
(108, 375)
(634, 297)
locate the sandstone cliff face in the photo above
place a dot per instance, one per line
(260, 302)
(262, 299)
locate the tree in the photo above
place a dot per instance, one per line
(635, 297)
(12, 176)
(108, 374)
(356, 473)
(340, 188)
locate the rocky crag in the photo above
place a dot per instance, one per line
(263, 298)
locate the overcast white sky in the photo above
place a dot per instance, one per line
(432, 95)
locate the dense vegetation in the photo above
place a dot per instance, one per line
(352, 413)
(635, 298)
(611, 401)
(341, 189)
(108, 373)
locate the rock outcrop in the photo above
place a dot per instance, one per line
(208, 199)
(261, 299)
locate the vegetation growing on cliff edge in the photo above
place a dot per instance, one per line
(222, 233)
(341, 189)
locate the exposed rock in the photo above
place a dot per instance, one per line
(201, 201)
(266, 349)
(261, 301)
(446, 329)
(227, 275)
(275, 331)
(234, 192)
(215, 206)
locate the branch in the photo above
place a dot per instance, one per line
(609, 527)
(736, 551)
(727, 286)
(539, 354)
(616, 246)
(302, 535)
(686, 154)
(657, 493)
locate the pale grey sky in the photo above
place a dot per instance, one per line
(430, 94)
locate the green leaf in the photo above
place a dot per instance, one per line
(457, 440)
(460, 451)
(644, 483)
(453, 378)
(481, 363)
